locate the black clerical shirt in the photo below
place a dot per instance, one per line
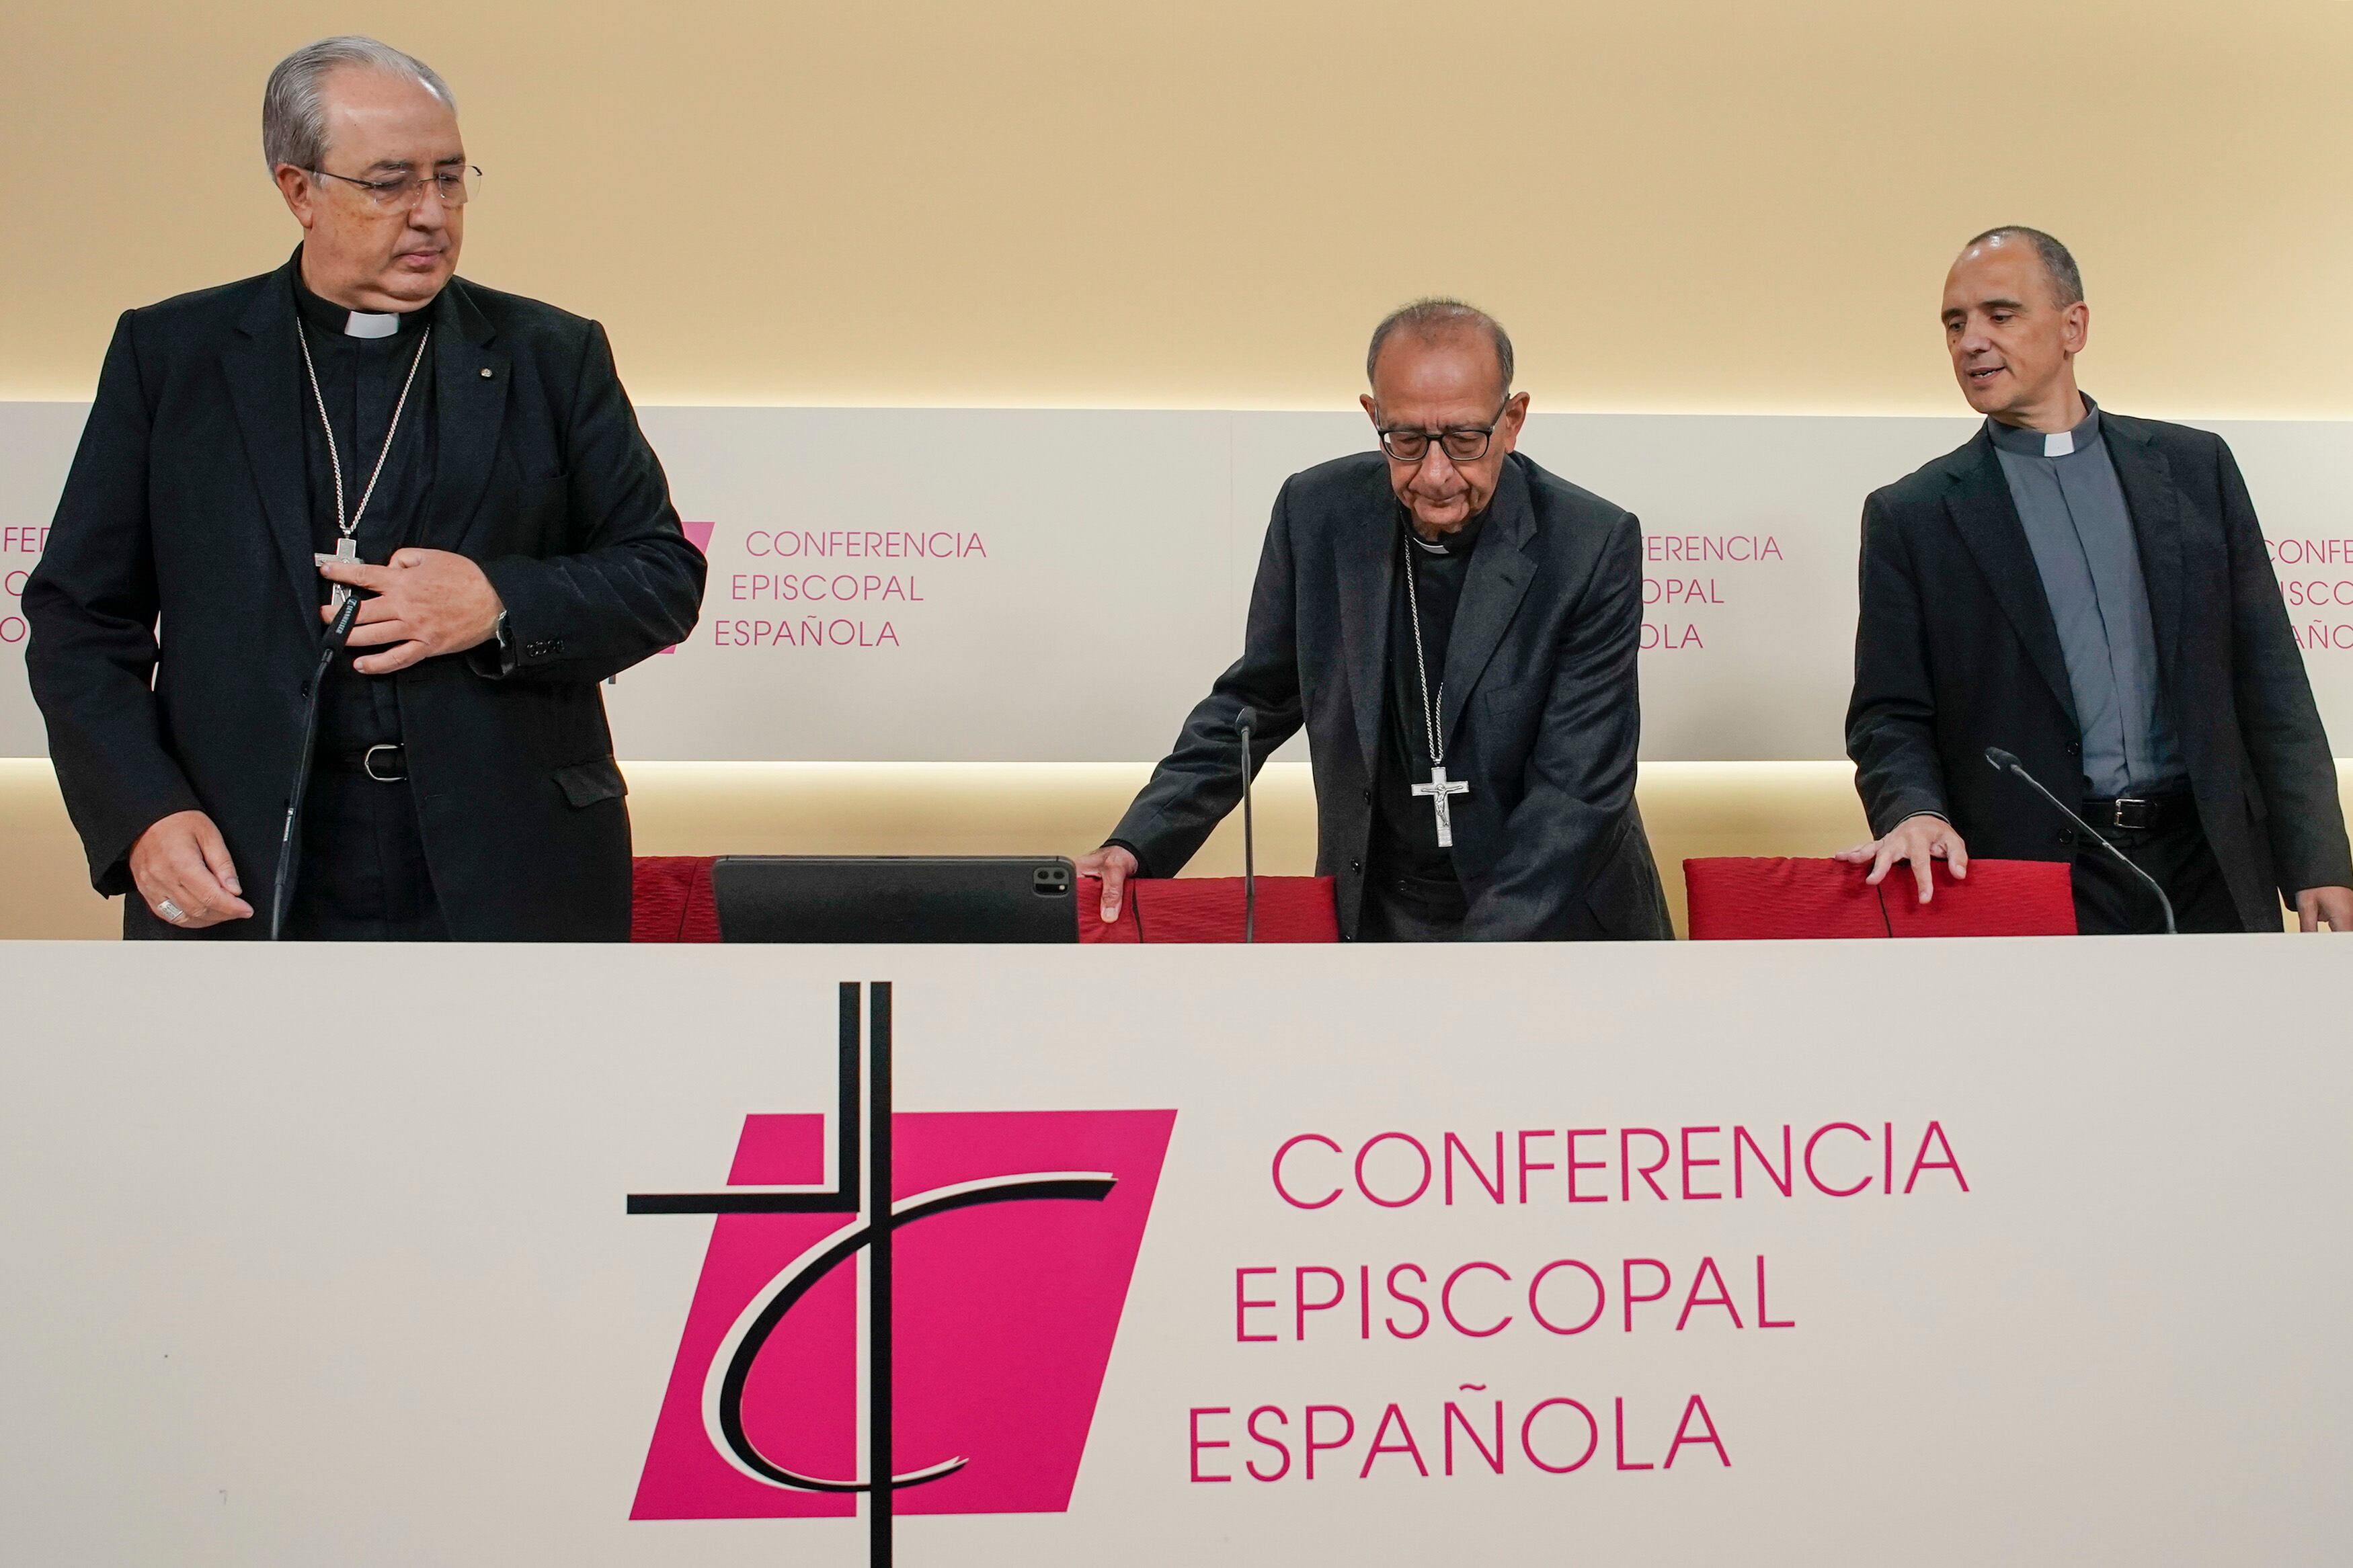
(362, 873)
(1405, 825)
(360, 381)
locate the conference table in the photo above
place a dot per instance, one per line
(1776, 1253)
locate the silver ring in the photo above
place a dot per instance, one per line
(170, 910)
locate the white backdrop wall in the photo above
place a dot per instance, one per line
(965, 584)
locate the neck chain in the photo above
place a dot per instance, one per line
(348, 528)
(1421, 670)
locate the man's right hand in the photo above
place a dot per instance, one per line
(1115, 866)
(1918, 839)
(182, 868)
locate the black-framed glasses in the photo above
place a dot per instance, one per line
(1463, 443)
(456, 187)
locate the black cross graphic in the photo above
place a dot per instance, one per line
(843, 1199)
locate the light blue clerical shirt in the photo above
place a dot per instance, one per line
(2076, 522)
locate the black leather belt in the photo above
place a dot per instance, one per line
(386, 764)
(2140, 814)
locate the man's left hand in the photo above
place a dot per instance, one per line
(427, 603)
(2334, 905)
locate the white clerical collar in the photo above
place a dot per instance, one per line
(371, 324)
(2048, 443)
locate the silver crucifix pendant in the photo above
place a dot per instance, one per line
(347, 551)
(1438, 787)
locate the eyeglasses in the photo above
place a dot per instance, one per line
(1463, 443)
(456, 187)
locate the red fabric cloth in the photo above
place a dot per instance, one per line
(1734, 900)
(672, 903)
(1209, 908)
(2000, 898)
(671, 898)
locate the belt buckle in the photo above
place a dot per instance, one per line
(2132, 814)
(367, 764)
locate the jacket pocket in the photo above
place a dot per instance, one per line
(589, 782)
(1508, 716)
(1624, 897)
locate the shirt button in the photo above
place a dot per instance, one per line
(1356, 865)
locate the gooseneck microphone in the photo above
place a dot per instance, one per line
(1244, 722)
(281, 888)
(2006, 763)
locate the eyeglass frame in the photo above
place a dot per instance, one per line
(1486, 434)
(419, 180)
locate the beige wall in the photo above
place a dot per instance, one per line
(1676, 205)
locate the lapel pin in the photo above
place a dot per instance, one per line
(486, 372)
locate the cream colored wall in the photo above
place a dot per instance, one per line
(1677, 205)
(1685, 204)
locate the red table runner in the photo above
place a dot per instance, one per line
(1209, 908)
(1734, 900)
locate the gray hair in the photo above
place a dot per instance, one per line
(294, 104)
(1429, 317)
(2058, 261)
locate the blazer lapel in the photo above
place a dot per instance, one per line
(1366, 560)
(469, 387)
(263, 367)
(1501, 571)
(2150, 496)
(1987, 517)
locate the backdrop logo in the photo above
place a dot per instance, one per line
(994, 1286)
(698, 535)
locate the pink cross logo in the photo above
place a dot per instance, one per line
(995, 1291)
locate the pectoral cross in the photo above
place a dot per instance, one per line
(1438, 787)
(347, 551)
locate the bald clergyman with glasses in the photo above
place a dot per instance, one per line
(358, 420)
(1456, 629)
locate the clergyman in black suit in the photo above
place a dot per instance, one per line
(1457, 630)
(358, 420)
(2091, 594)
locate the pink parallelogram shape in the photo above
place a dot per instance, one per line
(1004, 1319)
(698, 535)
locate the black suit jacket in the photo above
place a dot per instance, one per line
(1956, 651)
(1543, 713)
(188, 502)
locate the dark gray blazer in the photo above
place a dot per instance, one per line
(188, 502)
(1543, 713)
(1956, 651)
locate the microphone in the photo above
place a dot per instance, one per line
(2007, 763)
(282, 890)
(1244, 722)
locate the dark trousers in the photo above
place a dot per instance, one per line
(1411, 909)
(2112, 901)
(362, 875)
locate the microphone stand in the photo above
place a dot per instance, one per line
(281, 888)
(2006, 763)
(1244, 722)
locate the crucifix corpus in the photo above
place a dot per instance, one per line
(1438, 787)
